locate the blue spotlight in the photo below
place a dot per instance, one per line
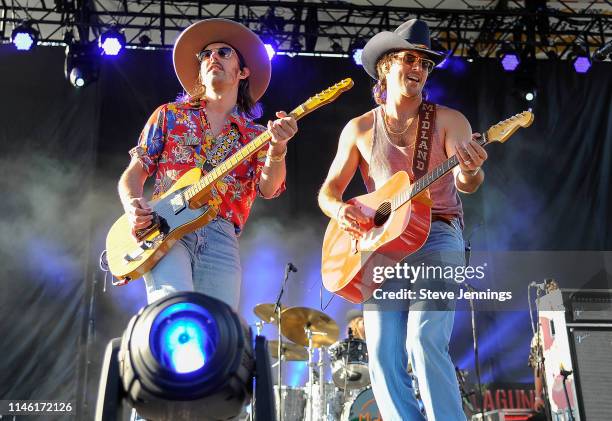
(270, 51)
(184, 337)
(112, 42)
(357, 56)
(510, 61)
(24, 37)
(187, 354)
(582, 64)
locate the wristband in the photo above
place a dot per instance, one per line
(471, 173)
(277, 158)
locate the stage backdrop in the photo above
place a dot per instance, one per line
(64, 149)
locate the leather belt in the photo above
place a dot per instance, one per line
(444, 218)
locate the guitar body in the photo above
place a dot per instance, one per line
(347, 264)
(129, 259)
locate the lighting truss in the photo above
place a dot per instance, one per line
(537, 28)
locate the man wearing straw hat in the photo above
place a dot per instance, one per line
(380, 143)
(224, 69)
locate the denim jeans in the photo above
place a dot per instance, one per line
(205, 261)
(421, 336)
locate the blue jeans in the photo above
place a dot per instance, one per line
(206, 261)
(421, 336)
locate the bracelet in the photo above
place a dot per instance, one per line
(471, 173)
(277, 158)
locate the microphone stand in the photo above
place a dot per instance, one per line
(468, 254)
(277, 312)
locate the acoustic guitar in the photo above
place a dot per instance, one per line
(188, 205)
(399, 221)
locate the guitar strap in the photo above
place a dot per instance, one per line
(422, 149)
(221, 147)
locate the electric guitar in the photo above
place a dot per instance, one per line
(400, 219)
(188, 205)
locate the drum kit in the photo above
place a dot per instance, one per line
(348, 397)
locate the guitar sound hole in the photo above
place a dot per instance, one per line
(382, 214)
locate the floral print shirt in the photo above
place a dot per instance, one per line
(177, 138)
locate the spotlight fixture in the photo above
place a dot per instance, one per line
(581, 60)
(24, 37)
(508, 57)
(81, 66)
(112, 41)
(355, 50)
(144, 40)
(336, 47)
(270, 51)
(186, 354)
(472, 54)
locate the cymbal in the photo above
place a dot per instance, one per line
(291, 351)
(325, 330)
(266, 312)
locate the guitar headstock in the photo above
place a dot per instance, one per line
(325, 97)
(504, 129)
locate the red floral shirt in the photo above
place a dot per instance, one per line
(177, 138)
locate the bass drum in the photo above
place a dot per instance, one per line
(362, 408)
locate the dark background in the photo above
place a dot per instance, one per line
(63, 150)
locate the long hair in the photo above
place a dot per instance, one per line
(244, 102)
(379, 91)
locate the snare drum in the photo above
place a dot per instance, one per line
(349, 361)
(363, 407)
(294, 402)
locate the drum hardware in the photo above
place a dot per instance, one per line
(289, 351)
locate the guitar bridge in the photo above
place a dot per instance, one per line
(155, 225)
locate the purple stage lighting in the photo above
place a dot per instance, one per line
(24, 37)
(582, 64)
(270, 50)
(510, 62)
(112, 42)
(357, 56)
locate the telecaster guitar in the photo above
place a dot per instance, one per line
(400, 219)
(188, 205)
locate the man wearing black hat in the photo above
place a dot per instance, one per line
(380, 143)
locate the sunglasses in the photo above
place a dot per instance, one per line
(411, 59)
(223, 52)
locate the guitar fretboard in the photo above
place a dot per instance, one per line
(233, 161)
(425, 181)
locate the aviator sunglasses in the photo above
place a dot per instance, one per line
(410, 59)
(223, 52)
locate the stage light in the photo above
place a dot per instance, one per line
(510, 61)
(582, 64)
(112, 41)
(529, 96)
(81, 65)
(357, 56)
(270, 51)
(144, 40)
(472, 54)
(24, 37)
(187, 354)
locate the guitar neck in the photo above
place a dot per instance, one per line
(221, 170)
(428, 179)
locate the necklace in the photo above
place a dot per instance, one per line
(389, 128)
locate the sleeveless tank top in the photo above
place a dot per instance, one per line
(387, 158)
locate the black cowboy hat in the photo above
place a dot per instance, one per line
(410, 35)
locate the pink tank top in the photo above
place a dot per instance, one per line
(387, 158)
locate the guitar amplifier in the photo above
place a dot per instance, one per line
(576, 336)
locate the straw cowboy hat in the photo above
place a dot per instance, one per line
(410, 35)
(197, 36)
